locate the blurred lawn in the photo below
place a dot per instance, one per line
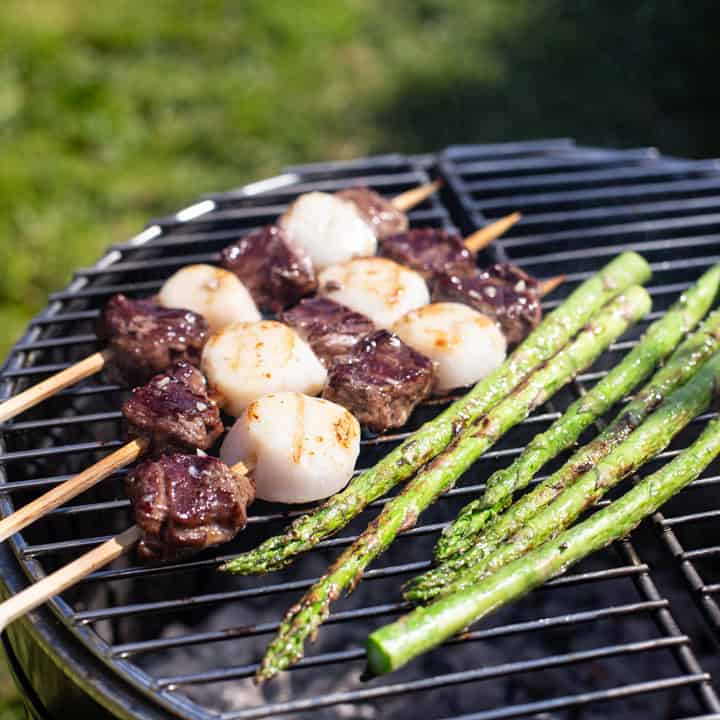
(115, 111)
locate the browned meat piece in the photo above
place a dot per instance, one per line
(275, 271)
(513, 275)
(381, 381)
(173, 411)
(503, 292)
(186, 503)
(430, 252)
(146, 338)
(379, 212)
(331, 329)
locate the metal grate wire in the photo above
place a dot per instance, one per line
(606, 623)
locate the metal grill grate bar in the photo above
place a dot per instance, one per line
(578, 701)
(460, 677)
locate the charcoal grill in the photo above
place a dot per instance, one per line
(618, 635)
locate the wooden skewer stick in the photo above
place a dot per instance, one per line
(414, 196)
(551, 284)
(485, 235)
(71, 488)
(73, 572)
(65, 577)
(43, 390)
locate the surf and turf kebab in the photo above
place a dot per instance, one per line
(272, 264)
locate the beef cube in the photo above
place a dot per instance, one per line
(146, 338)
(379, 213)
(512, 275)
(173, 411)
(331, 329)
(502, 292)
(430, 252)
(381, 381)
(276, 272)
(186, 503)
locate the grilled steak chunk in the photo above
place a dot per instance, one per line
(503, 292)
(146, 338)
(513, 275)
(430, 252)
(378, 212)
(274, 270)
(173, 411)
(331, 329)
(380, 381)
(186, 503)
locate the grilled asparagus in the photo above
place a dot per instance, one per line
(656, 344)
(390, 647)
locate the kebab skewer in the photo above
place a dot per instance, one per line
(225, 492)
(143, 338)
(205, 284)
(176, 410)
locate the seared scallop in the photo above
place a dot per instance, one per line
(379, 288)
(214, 293)
(463, 344)
(299, 449)
(329, 229)
(245, 361)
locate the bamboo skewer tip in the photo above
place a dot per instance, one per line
(551, 284)
(483, 237)
(410, 198)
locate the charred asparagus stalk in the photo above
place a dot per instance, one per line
(682, 365)
(656, 344)
(304, 618)
(390, 647)
(647, 441)
(433, 437)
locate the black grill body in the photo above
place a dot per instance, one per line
(630, 631)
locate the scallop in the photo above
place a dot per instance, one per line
(217, 294)
(379, 288)
(329, 229)
(245, 361)
(463, 344)
(299, 448)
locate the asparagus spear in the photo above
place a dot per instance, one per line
(400, 513)
(657, 343)
(432, 438)
(649, 439)
(391, 646)
(683, 364)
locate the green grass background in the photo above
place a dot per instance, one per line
(117, 110)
